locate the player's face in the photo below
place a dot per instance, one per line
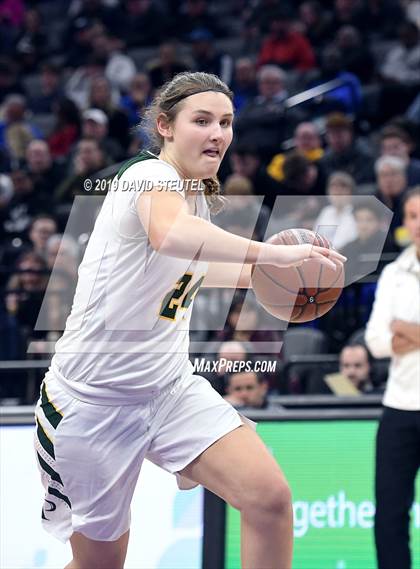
(201, 134)
(412, 219)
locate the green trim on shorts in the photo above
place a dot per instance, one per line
(50, 411)
(45, 466)
(44, 439)
(144, 155)
(58, 494)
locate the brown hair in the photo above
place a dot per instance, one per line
(413, 192)
(167, 102)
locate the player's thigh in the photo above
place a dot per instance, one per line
(240, 469)
(91, 554)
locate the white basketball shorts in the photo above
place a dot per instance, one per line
(90, 455)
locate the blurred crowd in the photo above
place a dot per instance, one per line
(327, 102)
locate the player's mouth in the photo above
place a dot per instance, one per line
(212, 152)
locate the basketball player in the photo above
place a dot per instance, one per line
(121, 387)
(393, 331)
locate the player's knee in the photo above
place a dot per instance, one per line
(272, 498)
(99, 564)
(109, 561)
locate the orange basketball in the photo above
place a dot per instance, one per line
(298, 294)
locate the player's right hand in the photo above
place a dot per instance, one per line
(296, 255)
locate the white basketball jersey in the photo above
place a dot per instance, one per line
(127, 336)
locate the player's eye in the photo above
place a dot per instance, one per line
(225, 123)
(201, 122)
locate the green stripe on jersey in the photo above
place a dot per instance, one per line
(51, 413)
(44, 440)
(58, 494)
(144, 155)
(54, 475)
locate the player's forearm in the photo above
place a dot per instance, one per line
(190, 235)
(228, 275)
(409, 330)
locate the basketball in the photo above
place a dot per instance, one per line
(298, 294)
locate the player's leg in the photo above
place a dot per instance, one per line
(90, 554)
(239, 468)
(397, 463)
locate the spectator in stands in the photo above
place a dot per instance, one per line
(306, 141)
(166, 65)
(119, 67)
(244, 324)
(66, 130)
(345, 98)
(355, 54)
(78, 85)
(46, 174)
(10, 82)
(137, 98)
(16, 131)
(12, 13)
(97, 11)
(354, 365)
(50, 90)
(6, 190)
(391, 186)
(78, 43)
(89, 158)
(380, 18)
(285, 47)
(247, 389)
(207, 59)
(315, 23)
(25, 292)
(191, 15)
(243, 214)
(393, 331)
(397, 142)
(402, 62)
(336, 221)
(364, 252)
(25, 204)
(344, 152)
(227, 354)
(143, 23)
(400, 73)
(102, 97)
(31, 45)
(303, 180)
(244, 83)
(412, 11)
(95, 125)
(264, 121)
(40, 229)
(62, 254)
(245, 161)
(346, 13)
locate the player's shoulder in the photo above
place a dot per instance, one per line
(392, 270)
(146, 165)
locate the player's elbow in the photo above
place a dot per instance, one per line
(163, 241)
(380, 346)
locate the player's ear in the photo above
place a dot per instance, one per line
(164, 126)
